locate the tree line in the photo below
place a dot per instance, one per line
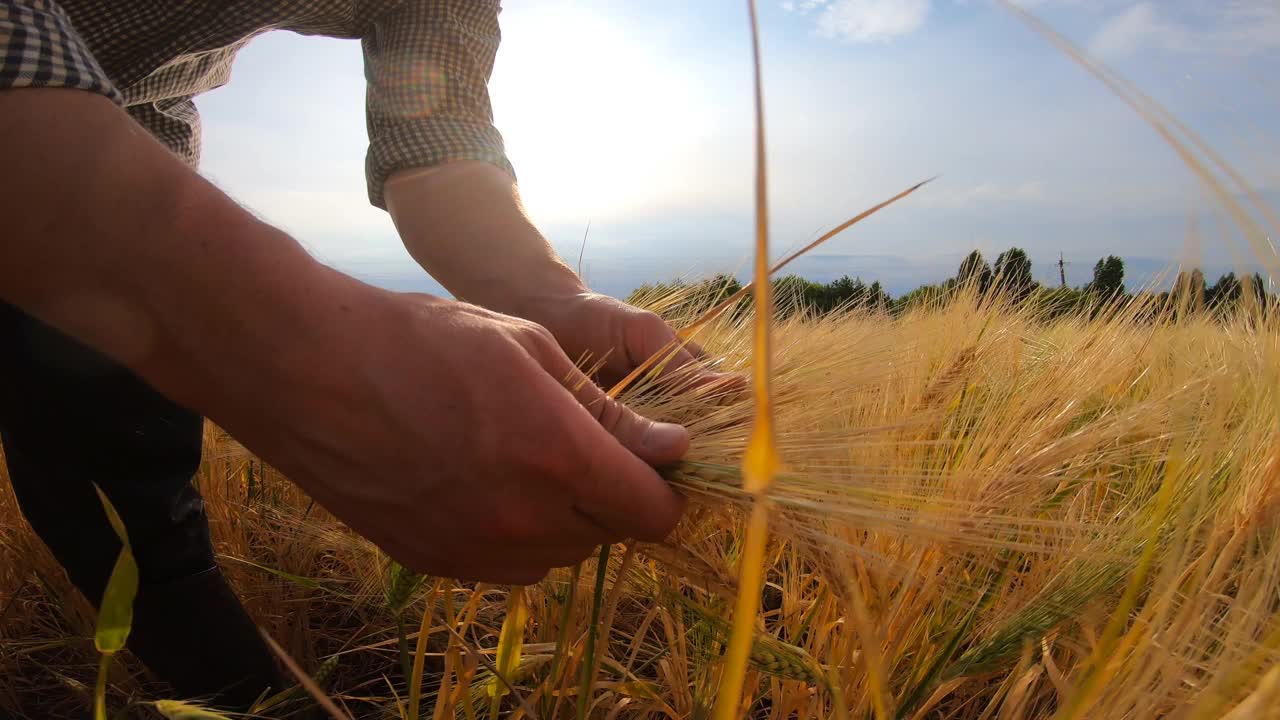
(1009, 279)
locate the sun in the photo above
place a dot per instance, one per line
(595, 121)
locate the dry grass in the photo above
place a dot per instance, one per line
(980, 515)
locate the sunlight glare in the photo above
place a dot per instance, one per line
(594, 119)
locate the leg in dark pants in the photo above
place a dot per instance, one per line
(70, 417)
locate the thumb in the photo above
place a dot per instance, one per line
(657, 443)
(616, 488)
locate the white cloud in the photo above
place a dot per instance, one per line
(1138, 26)
(1238, 27)
(1250, 26)
(989, 194)
(865, 20)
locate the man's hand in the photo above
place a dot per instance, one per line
(464, 442)
(599, 327)
(461, 441)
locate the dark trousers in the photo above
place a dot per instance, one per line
(70, 418)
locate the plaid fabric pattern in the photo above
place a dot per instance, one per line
(427, 63)
(39, 48)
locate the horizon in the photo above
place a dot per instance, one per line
(620, 276)
(649, 142)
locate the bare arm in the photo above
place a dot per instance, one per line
(464, 224)
(116, 242)
(447, 434)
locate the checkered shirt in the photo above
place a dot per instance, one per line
(427, 63)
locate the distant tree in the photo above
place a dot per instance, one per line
(792, 294)
(1254, 288)
(974, 271)
(877, 298)
(842, 290)
(834, 295)
(1055, 302)
(725, 285)
(679, 297)
(1108, 277)
(1012, 273)
(1247, 291)
(923, 296)
(859, 296)
(1223, 294)
(649, 292)
(1189, 291)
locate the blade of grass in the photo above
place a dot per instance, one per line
(179, 710)
(760, 462)
(588, 669)
(420, 652)
(1095, 674)
(562, 637)
(510, 642)
(305, 680)
(480, 659)
(402, 647)
(115, 611)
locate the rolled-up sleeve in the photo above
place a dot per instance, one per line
(427, 63)
(40, 48)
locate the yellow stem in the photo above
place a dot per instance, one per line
(100, 688)
(420, 653)
(751, 576)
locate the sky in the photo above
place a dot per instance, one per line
(637, 119)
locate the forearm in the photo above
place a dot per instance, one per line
(464, 224)
(113, 240)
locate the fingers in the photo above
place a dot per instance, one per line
(681, 361)
(656, 443)
(623, 494)
(615, 485)
(646, 335)
(545, 516)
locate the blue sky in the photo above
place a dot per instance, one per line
(637, 118)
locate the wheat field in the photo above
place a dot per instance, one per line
(981, 509)
(981, 514)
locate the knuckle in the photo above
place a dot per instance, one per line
(605, 412)
(627, 427)
(653, 322)
(538, 335)
(654, 330)
(611, 415)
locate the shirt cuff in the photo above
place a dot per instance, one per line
(428, 142)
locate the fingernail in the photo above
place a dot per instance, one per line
(666, 439)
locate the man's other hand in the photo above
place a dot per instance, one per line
(465, 443)
(601, 328)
